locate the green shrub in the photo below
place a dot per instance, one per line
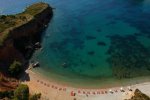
(8, 94)
(21, 93)
(15, 68)
(35, 96)
(3, 17)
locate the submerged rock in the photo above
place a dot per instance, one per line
(92, 65)
(137, 34)
(89, 37)
(91, 53)
(128, 57)
(64, 65)
(98, 30)
(100, 43)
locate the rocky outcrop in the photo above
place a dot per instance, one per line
(22, 36)
(138, 95)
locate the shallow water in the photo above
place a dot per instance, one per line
(82, 38)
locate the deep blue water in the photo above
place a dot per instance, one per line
(88, 39)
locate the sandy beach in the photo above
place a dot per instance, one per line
(53, 91)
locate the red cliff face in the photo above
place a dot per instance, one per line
(8, 52)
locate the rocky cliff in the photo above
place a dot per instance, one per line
(17, 40)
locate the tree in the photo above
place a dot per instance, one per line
(35, 96)
(21, 93)
(6, 94)
(15, 68)
(2, 16)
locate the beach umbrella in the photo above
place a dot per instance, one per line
(94, 93)
(56, 87)
(41, 82)
(72, 93)
(60, 89)
(52, 86)
(98, 92)
(47, 85)
(64, 89)
(129, 88)
(83, 92)
(88, 92)
(121, 89)
(110, 91)
(79, 91)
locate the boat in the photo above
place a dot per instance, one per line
(46, 25)
(36, 64)
(37, 45)
(64, 65)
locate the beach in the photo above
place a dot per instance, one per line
(51, 90)
(86, 44)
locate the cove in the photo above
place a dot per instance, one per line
(100, 41)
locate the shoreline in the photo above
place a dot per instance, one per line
(89, 83)
(55, 91)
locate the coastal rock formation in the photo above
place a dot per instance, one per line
(21, 31)
(138, 95)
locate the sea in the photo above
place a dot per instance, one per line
(92, 43)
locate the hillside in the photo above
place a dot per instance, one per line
(19, 33)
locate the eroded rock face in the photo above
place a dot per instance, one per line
(7, 54)
(138, 95)
(14, 47)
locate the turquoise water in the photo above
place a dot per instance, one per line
(87, 40)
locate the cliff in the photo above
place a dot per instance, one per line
(20, 31)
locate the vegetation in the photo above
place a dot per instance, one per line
(35, 96)
(8, 94)
(35, 9)
(15, 68)
(8, 22)
(20, 93)
(138, 95)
